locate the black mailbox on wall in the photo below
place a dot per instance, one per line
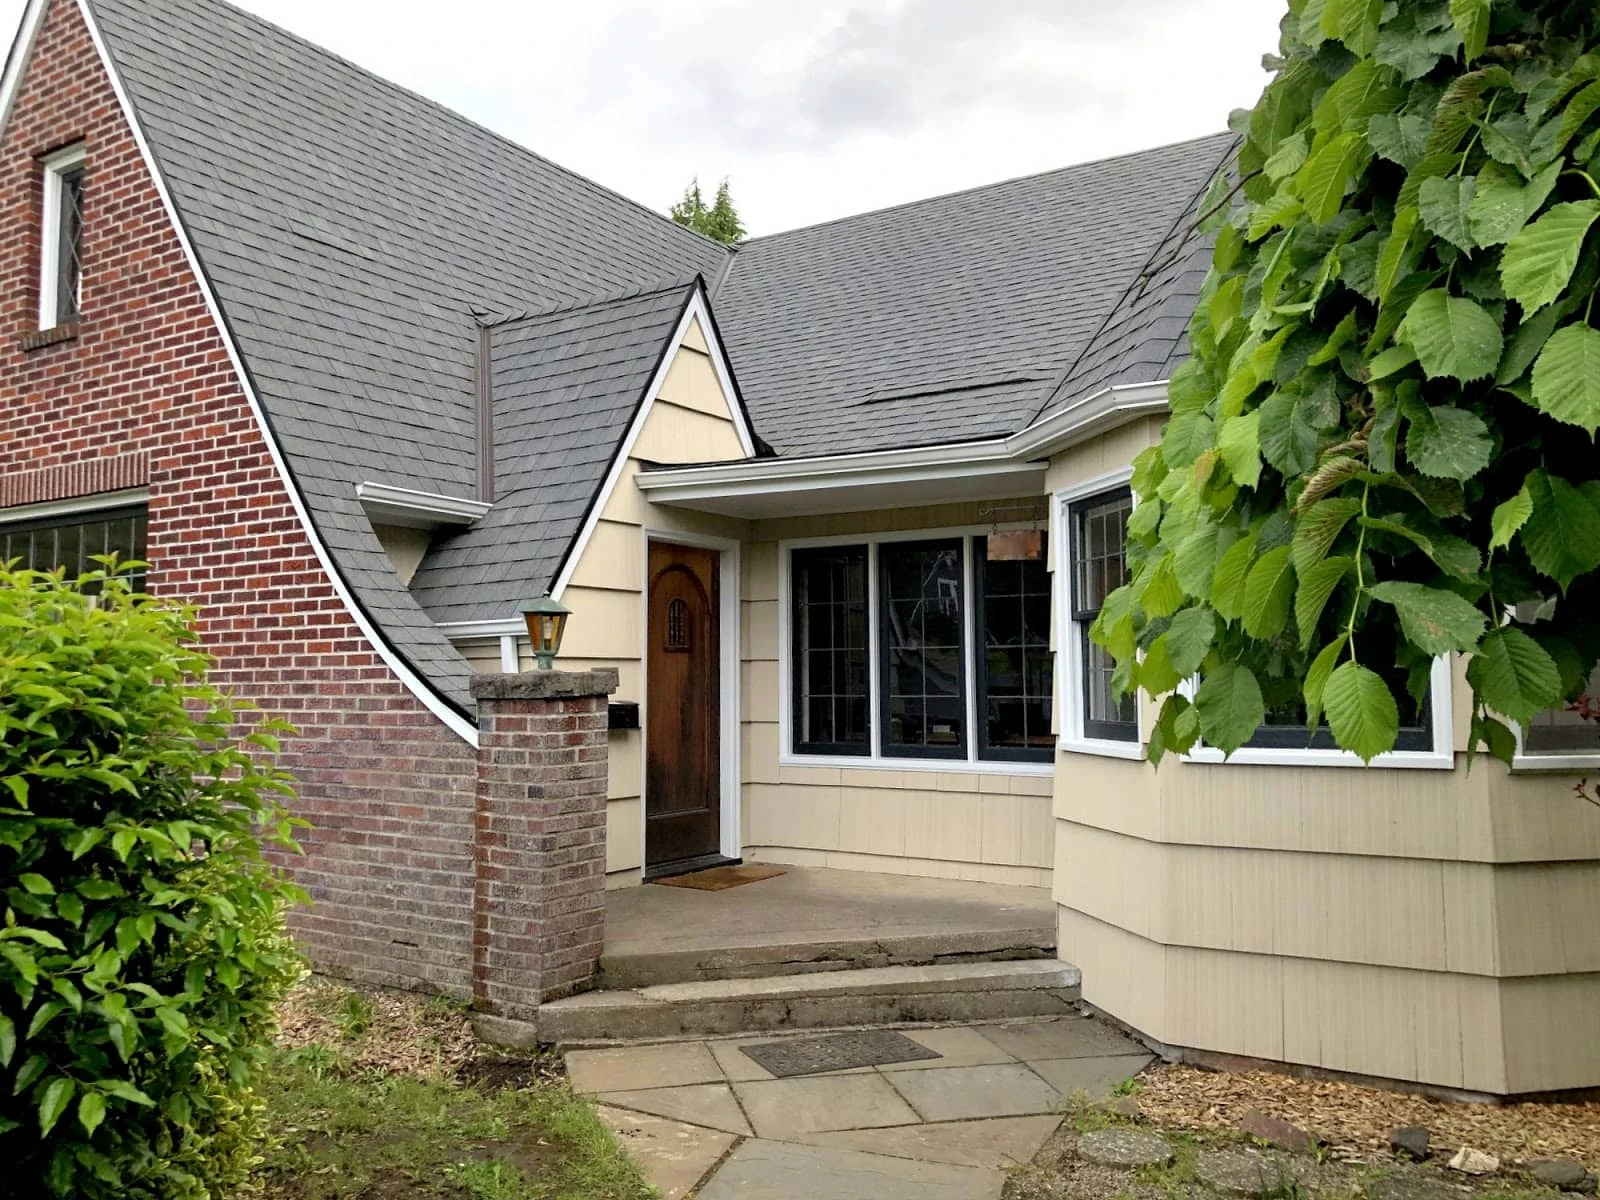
(622, 714)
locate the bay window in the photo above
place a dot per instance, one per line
(921, 648)
(1097, 528)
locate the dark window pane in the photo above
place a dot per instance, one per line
(925, 705)
(71, 544)
(830, 650)
(69, 251)
(1097, 529)
(1015, 667)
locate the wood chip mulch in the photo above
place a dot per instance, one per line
(1356, 1121)
(404, 1034)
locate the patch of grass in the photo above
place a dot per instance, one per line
(353, 1017)
(1128, 1087)
(341, 1135)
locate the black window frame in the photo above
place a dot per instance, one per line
(985, 751)
(82, 519)
(959, 750)
(797, 695)
(1081, 617)
(1415, 738)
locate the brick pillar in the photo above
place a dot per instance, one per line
(540, 855)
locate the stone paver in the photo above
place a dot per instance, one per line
(708, 1104)
(966, 1093)
(1124, 1148)
(1410, 1186)
(1095, 1077)
(673, 1156)
(762, 1170)
(782, 1108)
(1066, 1037)
(960, 1046)
(633, 1068)
(998, 1143)
(1244, 1172)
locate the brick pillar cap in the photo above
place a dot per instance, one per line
(545, 685)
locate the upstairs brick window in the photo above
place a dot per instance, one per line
(61, 240)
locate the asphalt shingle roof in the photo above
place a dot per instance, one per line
(358, 235)
(352, 230)
(566, 386)
(998, 289)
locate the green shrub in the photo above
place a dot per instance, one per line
(143, 946)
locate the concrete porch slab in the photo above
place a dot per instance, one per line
(814, 919)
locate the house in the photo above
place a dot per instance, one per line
(359, 378)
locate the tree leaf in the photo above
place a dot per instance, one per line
(1454, 337)
(1448, 443)
(36, 885)
(1566, 377)
(1562, 532)
(1510, 517)
(1325, 178)
(1539, 261)
(1318, 528)
(1268, 593)
(8, 1040)
(1189, 639)
(91, 1111)
(1228, 582)
(1392, 258)
(1240, 446)
(1471, 19)
(1445, 204)
(1395, 358)
(1514, 674)
(1292, 424)
(1361, 711)
(1436, 621)
(1228, 703)
(1317, 677)
(1186, 438)
(1453, 555)
(1317, 585)
(1402, 138)
(1525, 345)
(53, 1101)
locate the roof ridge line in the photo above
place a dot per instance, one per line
(491, 319)
(1140, 278)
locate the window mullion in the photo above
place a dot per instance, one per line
(875, 695)
(969, 672)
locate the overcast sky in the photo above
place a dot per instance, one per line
(813, 108)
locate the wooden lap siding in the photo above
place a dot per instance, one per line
(146, 395)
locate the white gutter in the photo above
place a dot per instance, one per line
(404, 506)
(1019, 454)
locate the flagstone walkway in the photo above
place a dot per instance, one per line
(702, 1117)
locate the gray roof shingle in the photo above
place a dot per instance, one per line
(351, 230)
(566, 386)
(984, 288)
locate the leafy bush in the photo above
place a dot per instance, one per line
(1384, 438)
(143, 947)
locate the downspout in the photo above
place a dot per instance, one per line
(484, 418)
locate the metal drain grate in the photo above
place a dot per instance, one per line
(836, 1052)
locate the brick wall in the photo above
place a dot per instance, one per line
(145, 394)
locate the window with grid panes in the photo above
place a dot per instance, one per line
(1014, 661)
(72, 543)
(830, 664)
(924, 697)
(1098, 529)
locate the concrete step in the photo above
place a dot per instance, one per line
(632, 969)
(868, 996)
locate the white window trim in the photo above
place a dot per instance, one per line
(1069, 651)
(56, 166)
(1524, 759)
(876, 760)
(1441, 757)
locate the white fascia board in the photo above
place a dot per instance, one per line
(1018, 454)
(696, 308)
(17, 60)
(94, 502)
(458, 724)
(386, 503)
(462, 630)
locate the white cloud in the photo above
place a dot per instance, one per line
(814, 110)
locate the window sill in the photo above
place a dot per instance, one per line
(1104, 748)
(1534, 763)
(1414, 760)
(38, 339)
(932, 766)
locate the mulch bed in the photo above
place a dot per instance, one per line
(1356, 1121)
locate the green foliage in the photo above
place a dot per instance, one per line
(719, 220)
(143, 948)
(1384, 439)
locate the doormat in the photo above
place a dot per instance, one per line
(720, 879)
(836, 1052)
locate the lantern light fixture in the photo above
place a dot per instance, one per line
(547, 621)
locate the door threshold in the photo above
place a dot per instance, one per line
(688, 866)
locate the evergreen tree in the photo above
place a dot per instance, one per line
(720, 221)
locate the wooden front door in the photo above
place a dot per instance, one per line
(683, 707)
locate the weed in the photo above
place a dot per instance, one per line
(490, 1179)
(442, 1007)
(353, 1017)
(316, 1060)
(1128, 1087)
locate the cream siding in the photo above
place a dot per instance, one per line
(1433, 926)
(405, 547)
